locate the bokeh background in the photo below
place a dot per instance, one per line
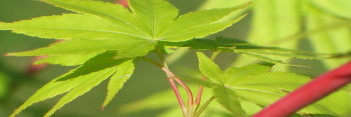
(294, 24)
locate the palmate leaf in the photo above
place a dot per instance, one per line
(149, 19)
(256, 80)
(253, 81)
(104, 36)
(78, 81)
(270, 86)
(106, 26)
(86, 85)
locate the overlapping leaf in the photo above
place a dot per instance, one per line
(123, 73)
(249, 82)
(78, 81)
(229, 100)
(209, 68)
(149, 19)
(269, 54)
(104, 35)
(104, 26)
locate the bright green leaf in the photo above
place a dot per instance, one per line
(126, 48)
(229, 100)
(76, 82)
(114, 12)
(71, 26)
(272, 86)
(85, 85)
(336, 104)
(155, 15)
(117, 80)
(198, 81)
(233, 73)
(207, 22)
(278, 81)
(156, 19)
(209, 68)
(268, 86)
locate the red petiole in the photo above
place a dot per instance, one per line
(309, 93)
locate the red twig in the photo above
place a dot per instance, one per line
(309, 93)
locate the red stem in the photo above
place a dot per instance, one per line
(201, 87)
(309, 93)
(187, 89)
(177, 94)
(199, 92)
(181, 83)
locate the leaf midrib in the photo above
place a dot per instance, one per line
(91, 30)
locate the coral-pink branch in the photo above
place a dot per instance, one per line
(309, 93)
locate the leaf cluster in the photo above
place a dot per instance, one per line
(104, 40)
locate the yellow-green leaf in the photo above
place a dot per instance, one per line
(117, 80)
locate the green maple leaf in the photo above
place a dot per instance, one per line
(105, 26)
(79, 81)
(104, 38)
(252, 81)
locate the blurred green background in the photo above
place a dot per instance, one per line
(268, 21)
